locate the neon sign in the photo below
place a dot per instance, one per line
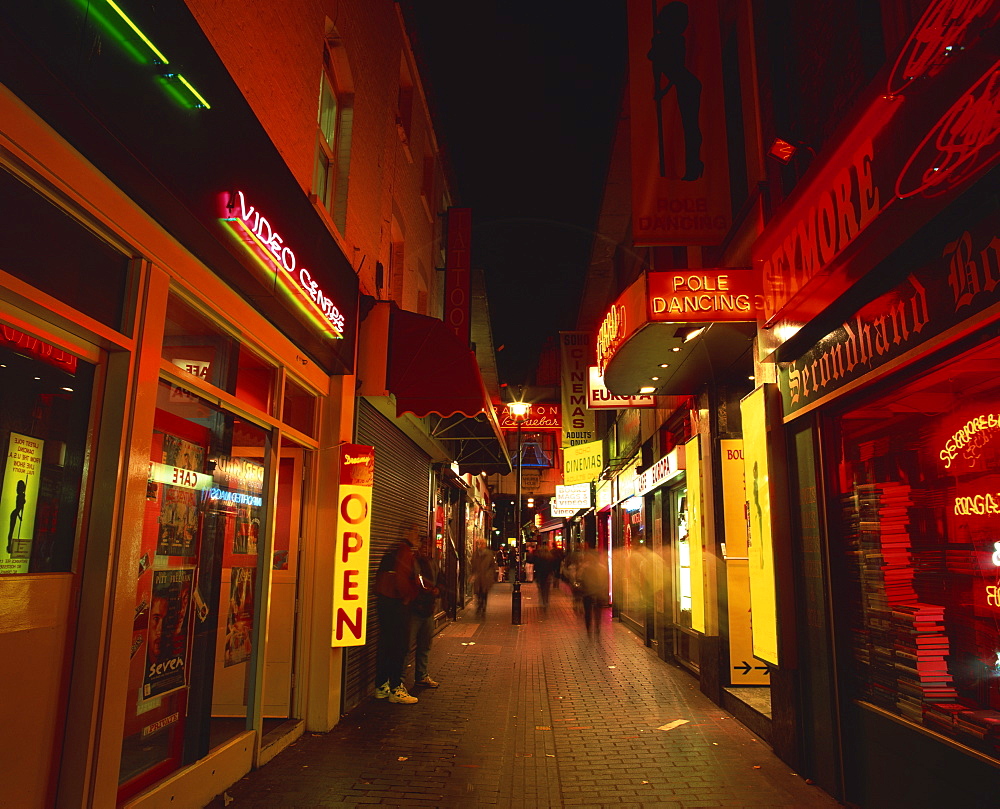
(952, 152)
(705, 295)
(969, 439)
(268, 246)
(177, 476)
(977, 504)
(941, 33)
(235, 498)
(610, 335)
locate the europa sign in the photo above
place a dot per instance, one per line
(713, 296)
(276, 258)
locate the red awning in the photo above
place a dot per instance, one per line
(431, 372)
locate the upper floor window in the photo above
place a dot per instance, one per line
(333, 140)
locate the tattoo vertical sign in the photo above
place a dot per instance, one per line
(19, 499)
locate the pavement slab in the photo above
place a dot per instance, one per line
(540, 714)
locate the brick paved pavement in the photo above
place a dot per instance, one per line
(536, 715)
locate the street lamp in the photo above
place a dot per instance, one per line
(518, 411)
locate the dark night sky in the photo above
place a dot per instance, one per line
(525, 94)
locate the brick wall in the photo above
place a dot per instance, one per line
(274, 51)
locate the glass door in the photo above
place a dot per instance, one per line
(282, 630)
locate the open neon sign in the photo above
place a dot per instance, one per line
(267, 245)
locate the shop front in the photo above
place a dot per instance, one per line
(904, 434)
(170, 378)
(684, 336)
(884, 419)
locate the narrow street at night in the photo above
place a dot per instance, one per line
(536, 715)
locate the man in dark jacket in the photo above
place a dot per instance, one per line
(422, 610)
(395, 587)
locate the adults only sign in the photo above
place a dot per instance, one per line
(350, 578)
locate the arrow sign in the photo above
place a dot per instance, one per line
(763, 668)
(745, 668)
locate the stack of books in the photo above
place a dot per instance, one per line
(982, 725)
(920, 648)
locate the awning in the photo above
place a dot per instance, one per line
(721, 353)
(669, 333)
(434, 375)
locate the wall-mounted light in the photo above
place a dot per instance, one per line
(782, 151)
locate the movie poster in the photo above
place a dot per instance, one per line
(167, 629)
(178, 518)
(239, 622)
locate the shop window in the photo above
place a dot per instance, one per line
(920, 495)
(195, 344)
(299, 409)
(45, 396)
(199, 575)
(48, 249)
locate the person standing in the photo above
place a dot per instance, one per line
(422, 610)
(395, 587)
(483, 571)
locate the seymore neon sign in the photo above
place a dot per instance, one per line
(267, 245)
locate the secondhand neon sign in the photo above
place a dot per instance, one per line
(268, 246)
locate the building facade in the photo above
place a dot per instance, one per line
(823, 555)
(219, 225)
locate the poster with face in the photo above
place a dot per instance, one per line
(167, 632)
(178, 518)
(239, 623)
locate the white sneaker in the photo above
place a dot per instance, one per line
(402, 696)
(382, 691)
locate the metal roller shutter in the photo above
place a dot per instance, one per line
(400, 494)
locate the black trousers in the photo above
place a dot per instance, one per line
(393, 639)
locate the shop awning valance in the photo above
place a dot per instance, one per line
(434, 375)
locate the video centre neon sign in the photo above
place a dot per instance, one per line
(268, 246)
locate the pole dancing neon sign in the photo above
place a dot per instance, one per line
(277, 258)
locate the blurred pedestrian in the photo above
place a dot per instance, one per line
(594, 585)
(570, 571)
(544, 563)
(395, 587)
(422, 610)
(483, 571)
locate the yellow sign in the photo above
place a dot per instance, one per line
(19, 500)
(760, 553)
(744, 669)
(583, 463)
(350, 581)
(576, 357)
(696, 532)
